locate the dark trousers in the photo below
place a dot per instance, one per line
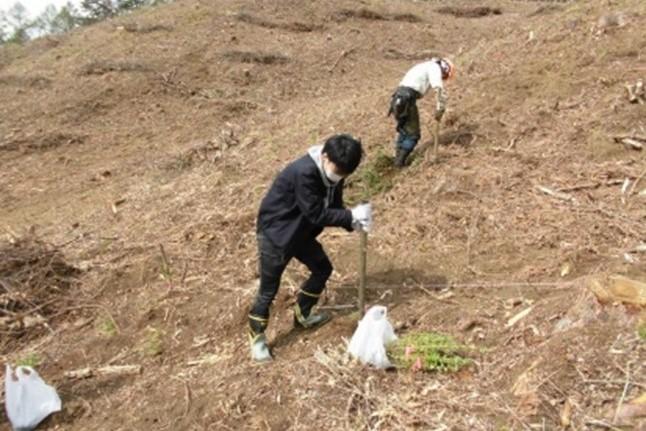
(404, 107)
(272, 264)
(408, 130)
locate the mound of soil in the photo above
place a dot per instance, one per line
(297, 27)
(256, 57)
(367, 14)
(469, 12)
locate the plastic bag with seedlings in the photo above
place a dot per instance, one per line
(28, 399)
(368, 344)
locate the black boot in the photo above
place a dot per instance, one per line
(309, 321)
(257, 339)
(400, 157)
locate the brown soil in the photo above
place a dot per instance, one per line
(143, 156)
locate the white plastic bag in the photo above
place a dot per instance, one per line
(368, 343)
(28, 399)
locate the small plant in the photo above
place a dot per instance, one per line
(641, 331)
(107, 327)
(373, 178)
(428, 351)
(153, 343)
(32, 360)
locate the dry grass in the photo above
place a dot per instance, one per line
(523, 116)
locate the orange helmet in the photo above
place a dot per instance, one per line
(448, 69)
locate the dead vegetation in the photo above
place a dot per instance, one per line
(297, 27)
(256, 57)
(469, 12)
(39, 82)
(395, 54)
(101, 67)
(36, 287)
(210, 151)
(545, 10)
(38, 143)
(368, 14)
(539, 183)
(145, 28)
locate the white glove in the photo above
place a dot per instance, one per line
(362, 217)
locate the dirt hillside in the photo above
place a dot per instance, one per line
(134, 154)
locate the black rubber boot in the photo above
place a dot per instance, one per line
(311, 320)
(400, 157)
(257, 339)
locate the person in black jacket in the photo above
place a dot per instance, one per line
(305, 197)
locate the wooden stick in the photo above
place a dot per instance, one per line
(602, 424)
(589, 186)
(613, 382)
(632, 144)
(436, 140)
(634, 186)
(85, 373)
(344, 53)
(558, 195)
(618, 138)
(518, 317)
(623, 397)
(337, 307)
(363, 241)
(165, 262)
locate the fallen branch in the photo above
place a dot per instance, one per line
(631, 136)
(632, 144)
(623, 397)
(344, 53)
(511, 148)
(634, 187)
(589, 186)
(602, 424)
(518, 317)
(85, 373)
(187, 396)
(558, 195)
(337, 307)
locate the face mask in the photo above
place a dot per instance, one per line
(333, 177)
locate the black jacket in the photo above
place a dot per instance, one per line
(299, 205)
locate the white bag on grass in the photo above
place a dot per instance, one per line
(28, 399)
(368, 343)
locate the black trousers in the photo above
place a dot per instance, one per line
(272, 264)
(407, 117)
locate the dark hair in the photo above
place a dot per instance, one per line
(344, 151)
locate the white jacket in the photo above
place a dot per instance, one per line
(423, 76)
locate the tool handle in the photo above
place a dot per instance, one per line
(363, 251)
(436, 139)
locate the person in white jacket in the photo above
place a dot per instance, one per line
(403, 105)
